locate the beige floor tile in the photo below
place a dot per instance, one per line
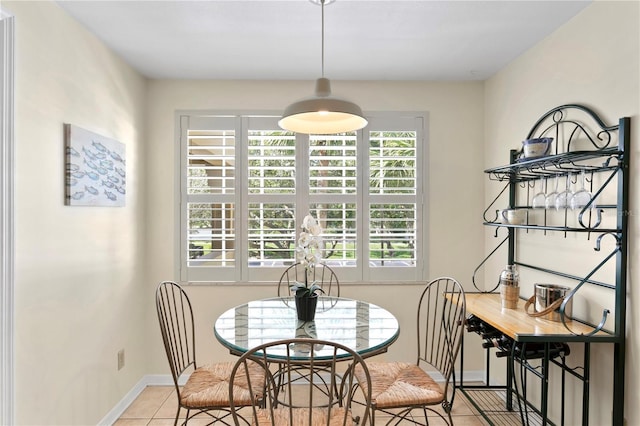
(202, 420)
(462, 407)
(131, 422)
(169, 407)
(157, 405)
(469, 421)
(147, 403)
(160, 422)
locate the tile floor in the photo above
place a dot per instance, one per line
(156, 406)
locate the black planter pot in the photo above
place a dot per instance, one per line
(306, 307)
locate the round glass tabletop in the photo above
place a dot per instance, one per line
(363, 326)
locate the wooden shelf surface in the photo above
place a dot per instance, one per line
(516, 324)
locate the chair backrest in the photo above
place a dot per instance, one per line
(307, 388)
(441, 325)
(176, 325)
(322, 275)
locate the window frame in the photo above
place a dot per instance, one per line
(243, 122)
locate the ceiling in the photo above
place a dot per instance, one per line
(281, 40)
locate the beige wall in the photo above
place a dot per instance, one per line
(592, 60)
(80, 289)
(454, 202)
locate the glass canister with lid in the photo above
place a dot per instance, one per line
(509, 287)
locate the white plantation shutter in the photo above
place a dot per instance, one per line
(333, 197)
(392, 234)
(392, 198)
(333, 165)
(247, 185)
(209, 198)
(270, 201)
(392, 162)
(395, 223)
(272, 162)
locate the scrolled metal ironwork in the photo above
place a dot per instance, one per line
(475, 271)
(566, 300)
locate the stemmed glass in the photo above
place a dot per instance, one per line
(564, 198)
(581, 197)
(538, 199)
(550, 200)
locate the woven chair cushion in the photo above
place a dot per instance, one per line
(301, 417)
(400, 384)
(208, 386)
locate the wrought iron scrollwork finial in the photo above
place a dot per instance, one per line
(601, 236)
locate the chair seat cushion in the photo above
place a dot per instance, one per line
(301, 417)
(400, 384)
(208, 386)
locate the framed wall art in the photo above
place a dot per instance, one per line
(95, 169)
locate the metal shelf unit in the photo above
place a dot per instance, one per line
(576, 126)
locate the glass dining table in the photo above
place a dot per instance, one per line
(367, 328)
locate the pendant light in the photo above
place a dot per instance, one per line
(322, 114)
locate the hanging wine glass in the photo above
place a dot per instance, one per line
(563, 199)
(537, 201)
(582, 197)
(550, 199)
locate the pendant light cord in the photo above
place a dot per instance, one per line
(322, 5)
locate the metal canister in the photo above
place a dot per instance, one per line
(510, 276)
(547, 295)
(509, 287)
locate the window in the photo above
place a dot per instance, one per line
(246, 185)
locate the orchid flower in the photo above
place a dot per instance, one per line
(308, 253)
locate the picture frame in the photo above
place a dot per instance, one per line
(95, 169)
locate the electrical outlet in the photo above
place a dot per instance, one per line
(120, 359)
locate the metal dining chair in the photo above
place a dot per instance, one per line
(206, 390)
(321, 274)
(399, 388)
(303, 403)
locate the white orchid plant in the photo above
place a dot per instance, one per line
(309, 254)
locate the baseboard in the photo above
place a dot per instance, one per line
(474, 376)
(148, 380)
(469, 376)
(166, 380)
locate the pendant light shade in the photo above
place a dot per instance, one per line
(322, 114)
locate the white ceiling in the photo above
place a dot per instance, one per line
(364, 39)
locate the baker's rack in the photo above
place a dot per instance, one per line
(588, 145)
